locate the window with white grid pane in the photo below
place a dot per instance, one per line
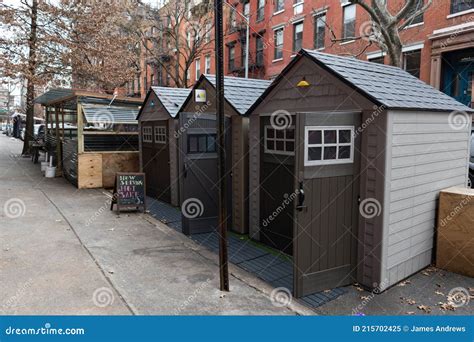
(160, 134)
(147, 134)
(325, 145)
(280, 141)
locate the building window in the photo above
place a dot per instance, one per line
(207, 65)
(412, 62)
(242, 51)
(231, 58)
(419, 18)
(298, 7)
(278, 38)
(198, 68)
(207, 35)
(297, 36)
(279, 6)
(152, 79)
(378, 60)
(247, 9)
(160, 134)
(260, 10)
(319, 30)
(232, 18)
(329, 145)
(461, 5)
(147, 136)
(259, 51)
(280, 141)
(201, 143)
(349, 13)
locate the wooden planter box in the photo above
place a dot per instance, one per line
(455, 238)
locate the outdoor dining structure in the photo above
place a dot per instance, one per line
(90, 136)
(347, 160)
(179, 152)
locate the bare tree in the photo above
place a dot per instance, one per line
(174, 36)
(386, 25)
(29, 50)
(99, 47)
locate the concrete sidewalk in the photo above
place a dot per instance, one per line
(64, 252)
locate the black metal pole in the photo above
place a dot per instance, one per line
(223, 258)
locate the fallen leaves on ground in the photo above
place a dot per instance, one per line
(424, 308)
(410, 312)
(446, 306)
(404, 283)
(439, 293)
(411, 301)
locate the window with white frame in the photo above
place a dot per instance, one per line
(280, 141)
(198, 68)
(349, 19)
(147, 135)
(325, 145)
(160, 134)
(207, 64)
(278, 39)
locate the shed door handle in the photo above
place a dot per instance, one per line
(301, 197)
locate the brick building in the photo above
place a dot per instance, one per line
(438, 46)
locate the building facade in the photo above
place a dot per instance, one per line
(438, 46)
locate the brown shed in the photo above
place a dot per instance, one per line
(158, 122)
(198, 157)
(347, 159)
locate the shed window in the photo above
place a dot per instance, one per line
(160, 134)
(329, 145)
(280, 141)
(147, 134)
(201, 143)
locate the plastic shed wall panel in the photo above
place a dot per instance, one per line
(427, 155)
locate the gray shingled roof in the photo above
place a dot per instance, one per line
(103, 113)
(241, 92)
(388, 85)
(171, 98)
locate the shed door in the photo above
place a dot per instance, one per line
(328, 165)
(198, 173)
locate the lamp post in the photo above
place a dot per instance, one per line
(222, 208)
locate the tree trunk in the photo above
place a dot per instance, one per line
(395, 46)
(30, 86)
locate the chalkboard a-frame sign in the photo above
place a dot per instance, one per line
(129, 191)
